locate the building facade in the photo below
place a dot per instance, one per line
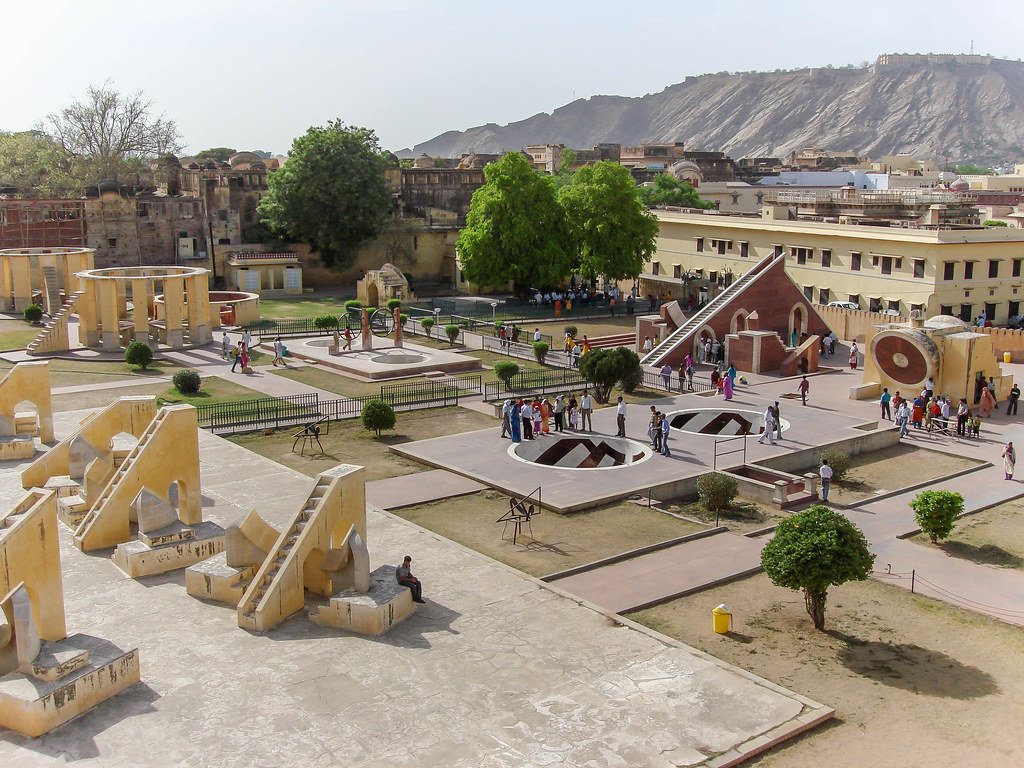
(960, 271)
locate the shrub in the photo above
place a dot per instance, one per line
(33, 313)
(452, 332)
(604, 368)
(403, 318)
(427, 323)
(351, 305)
(936, 511)
(633, 375)
(138, 354)
(393, 303)
(505, 370)
(572, 330)
(839, 461)
(378, 415)
(187, 382)
(813, 550)
(325, 322)
(716, 491)
(540, 350)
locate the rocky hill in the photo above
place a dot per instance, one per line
(960, 107)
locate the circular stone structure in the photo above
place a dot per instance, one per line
(719, 422)
(226, 308)
(103, 306)
(25, 272)
(584, 452)
(906, 355)
(398, 358)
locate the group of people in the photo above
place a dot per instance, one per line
(238, 353)
(933, 413)
(576, 349)
(658, 430)
(772, 424)
(525, 420)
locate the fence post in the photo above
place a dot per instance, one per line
(913, 576)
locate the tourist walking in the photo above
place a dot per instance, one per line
(803, 388)
(731, 373)
(689, 374)
(247, 339)
(515, 421)
(777, 416)
(236, 353)
(506, 414)
(853, 356)
(1009, 459)
(825, 473)
(665, 426)
(620, 417)
(903, 418)
(884, 402)
(654, 429)
(1011, 404)
(648, 346)
(587, 408)
(348, 337)
(666, 376)
(573, 411)
(769, 427)
(987, 406)
(279, 352)
(225, 346)
(727, 388)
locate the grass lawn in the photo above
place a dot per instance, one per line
(992, 537)
(215, 390)
(333, 381)
(914, 682)
(302, 306)
(16, 334)
(890, 469)
(349, 443)
(70, 373)
(561, 541)
(741, 516)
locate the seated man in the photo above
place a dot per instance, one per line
(404, 575)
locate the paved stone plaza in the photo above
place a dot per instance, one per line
(496, 670)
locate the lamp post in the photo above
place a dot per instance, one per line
(494, 311)
(437, 318)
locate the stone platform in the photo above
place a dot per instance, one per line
(177, 546)
(368, 613)
(503, 669)
(384, 361)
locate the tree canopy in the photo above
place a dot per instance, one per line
(35, 164)
(612, 230)
(813, 550)
(604, 368)
(220, 154)
(332, 192)
(668, 190)
(516, 231)
(107, 134)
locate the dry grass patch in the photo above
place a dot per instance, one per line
(994, 536)
(894, 468)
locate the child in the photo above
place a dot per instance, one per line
(537, 420)
(976, 426)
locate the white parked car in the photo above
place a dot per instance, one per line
(843, 304)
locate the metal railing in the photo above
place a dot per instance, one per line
(676, 382)
(259, 413)
(417, 392)
(535, 382)
(730, 442)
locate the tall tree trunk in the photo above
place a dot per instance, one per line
(815, 603)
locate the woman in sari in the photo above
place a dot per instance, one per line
(545, 415)
(727, 387)
(514, 422)
(1009, 459)
(988, 403)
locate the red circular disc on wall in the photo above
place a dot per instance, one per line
(902, 357)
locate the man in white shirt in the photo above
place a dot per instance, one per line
(587, 408)
(620, 417)
(826, 478)
(247, 339)
(769, 426)
(536, 334)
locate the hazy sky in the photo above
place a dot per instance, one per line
(253, 74)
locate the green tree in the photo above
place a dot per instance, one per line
(452, 332)
(813, 550)
(515, 231)
(427, 323)
(187, 381)
(33, 313)
(716, 491)
(332, 193)
(969, 169)
(936, 512)
(668, 190)
(563, 176)
(612, 229)
(138, 354)
(325, 322)
(505, 370)
(540, 350)
(378, 415)
(220, 154)
(994, 223)
(36, 165)
(604, 368)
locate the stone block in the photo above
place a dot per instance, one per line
(368, 613)
(138, 559)
(14, 447)
(56, 661)
(71, 510)
(63, 485)
(152, 512)
(249, 542)
(214, 579)
(32, 706)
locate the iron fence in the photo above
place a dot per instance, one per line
(535, 382)
(676, 382)
(259, 413)
(418, 392)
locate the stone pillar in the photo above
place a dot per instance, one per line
(140, 302)
(811, 484)
(5, 281)
(367, 337)
(107, 306)
(122, 299)
(21, 282)
(199, 310)
(174, 304)
(396, 313)
(781, 494)
(88, 328)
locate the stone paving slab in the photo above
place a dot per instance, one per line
(660, 575)
(497, 669)
(419, 488)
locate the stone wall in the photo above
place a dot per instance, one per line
(855, 324)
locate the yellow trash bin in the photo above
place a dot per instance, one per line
(1007, 357)
(721, 618)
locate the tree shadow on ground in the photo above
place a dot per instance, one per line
(913, 668)
(986, 554)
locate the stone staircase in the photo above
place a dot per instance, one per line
(683, 334)
(267, 580)
(51, 291)
(54, 336)
(627, 340)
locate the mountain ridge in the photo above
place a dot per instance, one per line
(957, 107)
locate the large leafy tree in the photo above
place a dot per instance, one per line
(668, 190)
(331, 193)
(516, 230)
(109, 135)
(605, 368)
(813, 550)
(220, 154)
(611, 227)
(33, 163)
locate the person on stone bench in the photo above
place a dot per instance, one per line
(403, 574)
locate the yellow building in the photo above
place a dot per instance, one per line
(937, 269)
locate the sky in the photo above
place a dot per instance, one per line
(254, 74)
